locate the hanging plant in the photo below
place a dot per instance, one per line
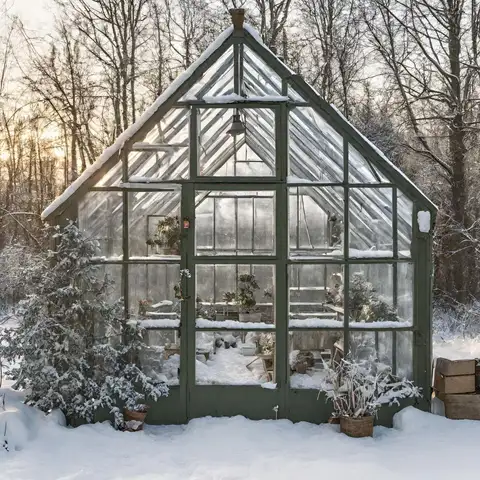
(167, 235)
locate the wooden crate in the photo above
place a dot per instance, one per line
(450, 368)
(454, 376)
(461, 407)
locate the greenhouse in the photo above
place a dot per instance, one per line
(255, 234)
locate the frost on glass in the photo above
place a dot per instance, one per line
(362, 170)
(309, 351)
(315, 148)
(154, 224)
(234, 358)
(163, 154)
(259, 79)
(160, 360)
(314, 296)
(249, 153)
(316, 227)
(100, 218)
(370, 223)
(235, 296)
(404, 225)
(152, 294)
(235, 223)
(216, 81)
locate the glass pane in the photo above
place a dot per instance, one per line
(315, 299)
(309, 351)
(372, 346)
(113, 274)
(152, 294)
(361, 170)
(235, 358)
(316, 221)
(154, 224)
(404, 225)
(370, 233)
(235, 296)
(160, 360)
(405, 292)
(164, 152)
(371, 297)
(294, 95)
(258, 78)
(247, 151)
(315, 148)
(112, 178)
(404, 354)
(216, 81)
(100, 218)
(235, 223)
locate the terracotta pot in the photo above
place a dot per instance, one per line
(133, 415)
(357, 427)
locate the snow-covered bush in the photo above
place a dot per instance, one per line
(72, 350)
(359, 388)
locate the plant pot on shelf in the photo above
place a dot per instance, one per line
(250, 317)
(166, 251)
(357, 427)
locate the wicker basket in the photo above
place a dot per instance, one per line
(357, 427)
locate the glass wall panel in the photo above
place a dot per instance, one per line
(113, 275)
(316, 221)
(240, 296)
(100, 218)
(404, 353)
(372, 346)
(309, 353)
(404, 222)
(164, 152)
(154, 224)
(316, 298)
(235, 357)
(216, 81)
(315, 150)
(371, 295)
(160, 360)
(235, 223)
(259, 79)
(248, 151)
(405, 272)
(362, 170)
(153, 296)
(370, 222)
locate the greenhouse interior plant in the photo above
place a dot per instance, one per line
(166, 239)
(358, 388)
(247, 305)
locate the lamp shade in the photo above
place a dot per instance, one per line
(238, 127)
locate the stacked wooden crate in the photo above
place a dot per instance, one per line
(455, 384)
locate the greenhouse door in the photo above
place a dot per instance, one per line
(230, 310)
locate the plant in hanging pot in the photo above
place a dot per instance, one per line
(247, 285)
(357, 390)
(167, 236)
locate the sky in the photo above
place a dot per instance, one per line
(35, 14)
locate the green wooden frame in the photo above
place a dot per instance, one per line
(189, 400)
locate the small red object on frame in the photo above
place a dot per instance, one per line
(186, 223)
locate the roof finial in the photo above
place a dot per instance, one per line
(238, 16)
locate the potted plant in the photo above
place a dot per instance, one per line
(357, 389)
(247, 285)
(229, 299)
(134, 415)
(167, 236)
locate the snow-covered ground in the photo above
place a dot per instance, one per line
(420, 445)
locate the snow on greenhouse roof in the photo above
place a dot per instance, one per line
(271, 61)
